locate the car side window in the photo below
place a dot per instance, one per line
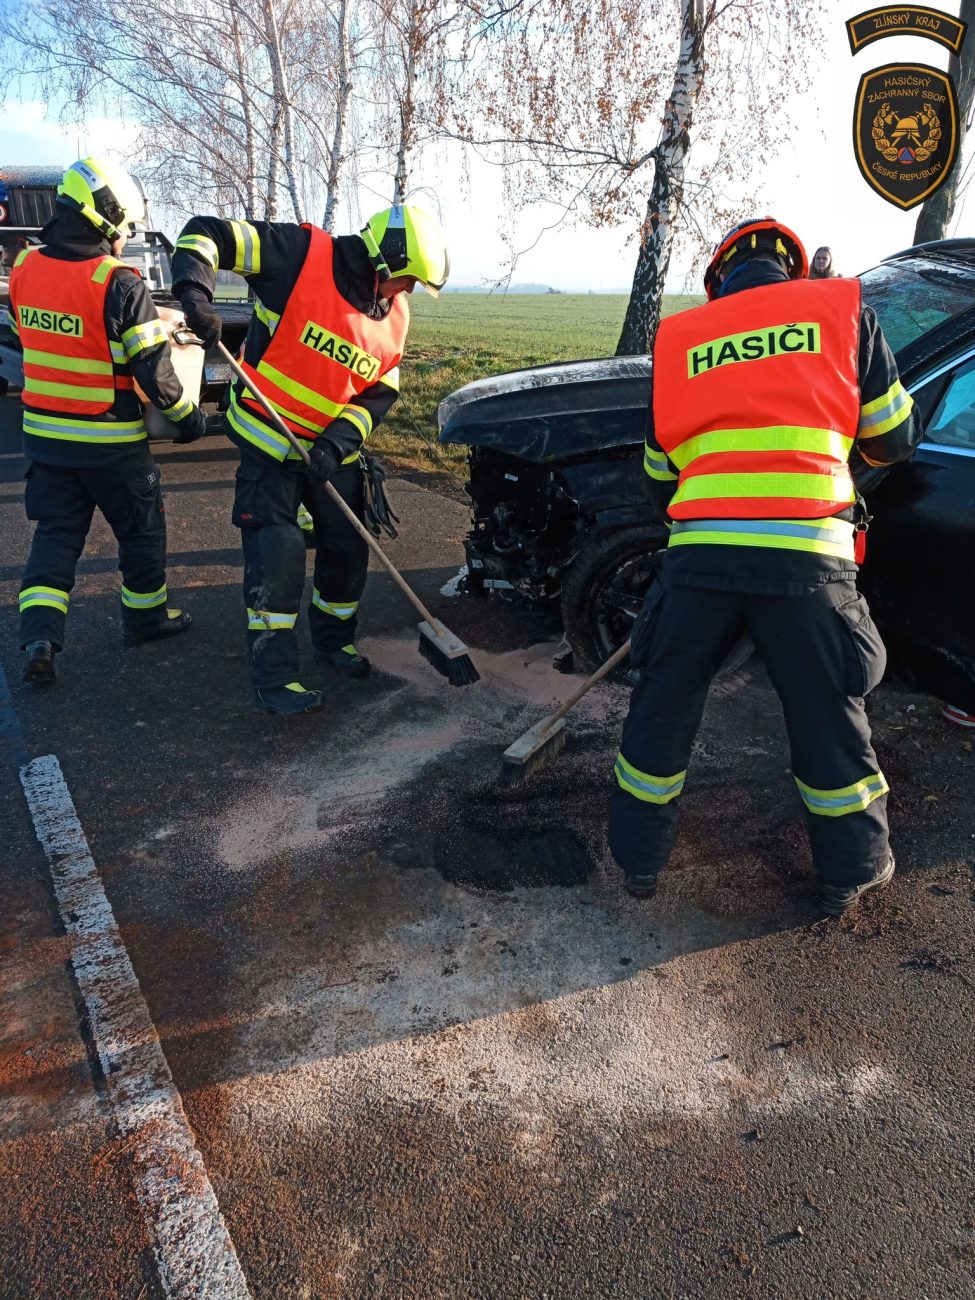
(952, 422)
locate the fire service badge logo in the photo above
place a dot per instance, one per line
(905, 131)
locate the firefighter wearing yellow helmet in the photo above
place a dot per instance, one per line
(106, 196)
(324, 346)
(90, 332)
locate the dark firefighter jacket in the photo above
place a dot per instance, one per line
(762, 570)
(270, 255)
(128, 305)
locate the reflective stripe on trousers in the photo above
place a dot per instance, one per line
(49, 596)
(143, 599)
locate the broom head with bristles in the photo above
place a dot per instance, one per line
(532, 750)
(448, 654)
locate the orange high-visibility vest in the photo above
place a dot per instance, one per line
(323, 353)
(59, 310)
(756, 401)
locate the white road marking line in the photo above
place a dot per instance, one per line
(194, 1253)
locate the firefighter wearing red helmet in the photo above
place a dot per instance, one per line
(760, 396)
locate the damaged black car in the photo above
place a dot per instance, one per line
(561, 517)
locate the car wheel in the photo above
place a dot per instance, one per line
(605, 587)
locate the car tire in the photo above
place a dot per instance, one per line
(605, 587)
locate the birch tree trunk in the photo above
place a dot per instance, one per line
(283, 103)
(247, 111)
(666, 193)
(935, 214)
(274, 166)
(342, 97)
(406, 110)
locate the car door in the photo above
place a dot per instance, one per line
(920, 567)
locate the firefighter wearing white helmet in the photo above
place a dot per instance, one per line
(90, 332)
(324, 346)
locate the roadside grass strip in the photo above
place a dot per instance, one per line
(193, 1251)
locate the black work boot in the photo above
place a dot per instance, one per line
(39, 670)
(286, 701)
(172, 622)
(641, 884)
(837, 899)
(347, 661)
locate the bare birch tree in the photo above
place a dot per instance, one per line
(231, 95)
(595, 109)
(420, 69)
(343, 97)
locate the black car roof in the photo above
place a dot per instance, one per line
(961, 251)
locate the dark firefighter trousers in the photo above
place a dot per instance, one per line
(823, 655)
(268, 493)
(62, 500)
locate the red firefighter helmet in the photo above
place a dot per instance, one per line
(761, 234)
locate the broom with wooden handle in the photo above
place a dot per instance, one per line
(547, 738)
(442, 650)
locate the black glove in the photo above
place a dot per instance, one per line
(191, 426)
(325, 460)
(201, 317)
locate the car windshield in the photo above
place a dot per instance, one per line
(911, 300)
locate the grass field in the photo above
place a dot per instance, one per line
(461, 337)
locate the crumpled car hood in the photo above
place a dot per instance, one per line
(552, 412)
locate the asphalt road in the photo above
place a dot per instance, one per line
(425, 1044)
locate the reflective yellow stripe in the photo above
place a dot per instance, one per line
(143, 599)
(642, 785)
(142, 337)
(391, 378)
(881, 419)
(341, 609)
(820, 536)
(201, 244)
(263, 620)
(256, 432)
(307, 396)
(247, 260)
(305, 521)
(64, 428)
(52, 597)
(118, 352)
(104, 269)
(361, 418)
(77, 365)
(776, 437)
(46, 388)
(847, 799)
(179, 410)
(878, 403)
(805, 487)
(267, 317)
(655, 464)
(22, 256)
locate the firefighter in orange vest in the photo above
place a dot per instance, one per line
(759, 398)
(89, 330)
(324, 345)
